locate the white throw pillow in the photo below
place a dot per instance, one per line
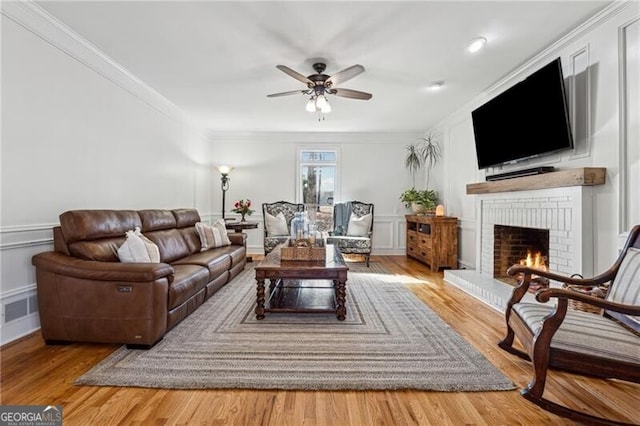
(359, 226)
(276, 225)
(138, 249)
(212, 236)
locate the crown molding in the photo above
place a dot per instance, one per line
(317, 137)
(39, 22)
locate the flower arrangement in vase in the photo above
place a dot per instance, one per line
(243, 207)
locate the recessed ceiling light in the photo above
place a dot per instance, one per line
(476, 44)
(436, 85)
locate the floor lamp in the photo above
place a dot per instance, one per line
(224, 171)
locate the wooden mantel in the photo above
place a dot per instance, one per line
(585, 176)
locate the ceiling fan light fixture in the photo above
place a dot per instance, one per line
(321, 102)
(311, 105)
(326, 108)
(476, 44)
(435, 86)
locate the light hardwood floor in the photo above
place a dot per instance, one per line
(35, 374)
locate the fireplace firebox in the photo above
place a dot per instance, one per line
(518, 245)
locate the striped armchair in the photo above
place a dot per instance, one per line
(605, 345)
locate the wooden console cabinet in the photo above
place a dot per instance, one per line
(433, 240)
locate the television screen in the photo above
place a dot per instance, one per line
(527, 120)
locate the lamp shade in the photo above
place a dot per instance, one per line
(225, 170)
(321, 102)
(311, 105)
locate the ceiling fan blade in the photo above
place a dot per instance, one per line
(292, 92)
(345, 74)
(353, 94)
(295, 74)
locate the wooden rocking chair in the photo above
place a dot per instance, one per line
(605, 345)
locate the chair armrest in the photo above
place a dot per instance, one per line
(102, 271)
(597, 280)
(544, 295)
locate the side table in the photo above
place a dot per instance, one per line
(240, 227)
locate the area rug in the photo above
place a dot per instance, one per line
(389, 340)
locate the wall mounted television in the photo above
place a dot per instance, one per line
(527, 120)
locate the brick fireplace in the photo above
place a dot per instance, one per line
(564, 213)
(557, 208)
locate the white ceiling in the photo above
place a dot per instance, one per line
(217, 60)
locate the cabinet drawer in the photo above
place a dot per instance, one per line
(424, 253)
(424, 241)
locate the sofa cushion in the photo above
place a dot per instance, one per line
(237, 253)
(187, 281)
(82, 225)
(171, 244)
(104, 250)
(155, 220)
(191, 238)
(186, 217)
(216, 261)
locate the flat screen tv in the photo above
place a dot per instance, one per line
(527, 120)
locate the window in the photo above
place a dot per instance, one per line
(317, 183)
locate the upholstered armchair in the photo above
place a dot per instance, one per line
(352, 228)
(277, 222)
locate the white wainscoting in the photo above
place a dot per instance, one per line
(18, 301)
(388, 234)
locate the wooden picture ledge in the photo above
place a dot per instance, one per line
(585, 176)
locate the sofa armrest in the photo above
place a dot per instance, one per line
(238, 238)
(101, 271)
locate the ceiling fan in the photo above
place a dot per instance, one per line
(319, 85)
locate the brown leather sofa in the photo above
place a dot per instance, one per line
(85, 294)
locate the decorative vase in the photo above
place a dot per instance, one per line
(242, 217)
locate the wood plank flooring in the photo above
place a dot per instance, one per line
(35, 374)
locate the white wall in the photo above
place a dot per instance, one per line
(370, 171)
(78, 132)
(592, 57)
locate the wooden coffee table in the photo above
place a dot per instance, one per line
(295, 272)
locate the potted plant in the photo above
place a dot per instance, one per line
(413, 161)
(419, 200)
(425, 152)
(430, 154)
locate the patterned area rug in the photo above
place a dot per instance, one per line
(389, 340)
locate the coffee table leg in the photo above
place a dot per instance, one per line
(341, 296)
(260, 299)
